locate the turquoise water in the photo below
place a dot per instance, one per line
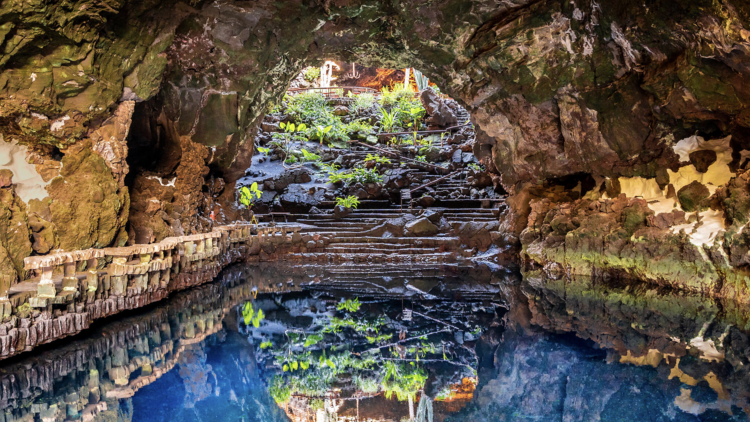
(460, 344)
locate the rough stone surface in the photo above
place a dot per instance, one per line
(692, 195)
(421, 227)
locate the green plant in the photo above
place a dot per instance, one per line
(363, 176)
(266, 344)
(422, 81)
(280, 391)
(387, 120)
(311, 73)
(249, 315)
(248, 196)
(322, 132)
(358, 126)
(361, 102)
(263, 150)
(403, 381)
(421, 159)
(309, 156)
(475, 167)
(349, 305)
(309, 107)
(348, 202)
(378, 159)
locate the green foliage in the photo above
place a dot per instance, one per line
(379, 159)
(422, 81)
(264, 150)
(348, 202)
(311, 73)
(358, 126)
(321, 132)
(312, 340)
(399, 94)
(280, 391)
(421, 159)
(357, 175)
(349, 305)
(362, 102)
(249, 315)
(309, 107)
(402, 380)
(379, 339)
(387, 120)
(248, 196)
(266, 344)
(366, 385)
(308, 156)
(475, 167)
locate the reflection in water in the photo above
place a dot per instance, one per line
(401, 343)
(369, 359)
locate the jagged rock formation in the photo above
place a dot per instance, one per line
(567, 97)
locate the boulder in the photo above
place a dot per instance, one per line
(421, 227)
(692, 195)
(439, 113)
(341, 111)
(702, 159)
(6, 178)
(340, 212)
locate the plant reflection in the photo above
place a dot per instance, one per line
(319, 356)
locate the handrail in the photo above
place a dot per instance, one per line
(430, 183)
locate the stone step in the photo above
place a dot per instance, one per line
(371, 257)
(425, 241)
(381, 249)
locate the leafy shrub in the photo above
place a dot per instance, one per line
(280, 390)
(248, 196)
(309, 107)
(378, 159)
(361, 102)
(358, 126)
(358, 175)
(348, 202)
(349, 305)
(309, 156)
(311, 73)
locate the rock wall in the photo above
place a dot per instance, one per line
(561, 92)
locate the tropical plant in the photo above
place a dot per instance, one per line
(311, 73)
(280, 391)
(421, 158)
(379, 159)
(361, 102)
(322, 132)
(348, 304)
(348, 202)
(402, 380)
(263, 150)
(248, 196)
(249, 315)
(422, 81)
(309, 156)
(388, 120)
(308, 107)
(358, 126)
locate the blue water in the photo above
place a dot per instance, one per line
(476, 345)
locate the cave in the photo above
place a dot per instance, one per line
(375, 210)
